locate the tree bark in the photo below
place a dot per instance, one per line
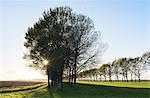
(127, 76)
(131, 76)
(109, 77)
(139, 76)
(75, 66)
(117, 78)
(105, 77)
(48, 78)
(72, 77)
(69, 75)
(139, 79)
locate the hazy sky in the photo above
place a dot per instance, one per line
(124, 24)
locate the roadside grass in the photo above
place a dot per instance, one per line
(131, 84)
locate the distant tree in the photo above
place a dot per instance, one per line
(103, 70)
(139, 67)
(95, 73)
(91, 73)
(116, 68)
(126, 67)
(106, 70)
(131, 67)
(110, 71)
(123, 67)
(146, 58)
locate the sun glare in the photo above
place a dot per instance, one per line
(45, 62)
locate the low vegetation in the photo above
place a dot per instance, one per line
(5, 84)
(21, 88)
(22, 93)
(86, 89)
(130, 84)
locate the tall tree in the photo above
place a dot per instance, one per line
(84, 44)
(64, 39)
(46, 41)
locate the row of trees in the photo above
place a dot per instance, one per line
(120, 69)
(64, 40)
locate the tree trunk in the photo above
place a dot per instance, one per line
(131, 76)
(135, 78)
(75, 75)
(72, 77)
(69, 76)
(96, 77)
(52, 82)
(100, 77)
(122, 77)
(117, 77)
(139, 76)
(59, 84)
(105, 78)
(127, 76)
(109, 77)
(48, 78)
(75, 66)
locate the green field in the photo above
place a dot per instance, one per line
(81, 90)
(142, 84)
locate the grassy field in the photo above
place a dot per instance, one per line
(142, 84)
(5, 84)
(23, 93)
(81, 90)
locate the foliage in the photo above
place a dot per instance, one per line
(64, 39)
(146, 58)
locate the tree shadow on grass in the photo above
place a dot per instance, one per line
(46, 93)
(115, 92)
(92, 91)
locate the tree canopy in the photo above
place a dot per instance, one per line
(63, 39)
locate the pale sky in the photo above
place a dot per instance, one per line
(124, 24)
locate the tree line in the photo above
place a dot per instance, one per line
(120, 69)
(67, 41)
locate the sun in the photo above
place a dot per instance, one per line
(45, 62)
